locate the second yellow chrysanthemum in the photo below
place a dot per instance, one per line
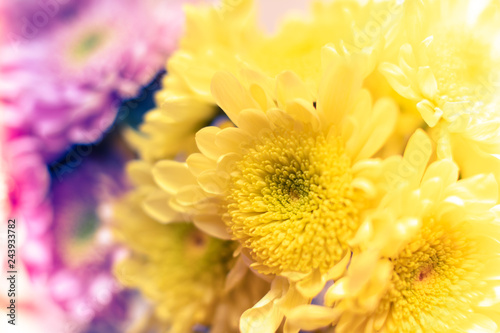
(426, 260)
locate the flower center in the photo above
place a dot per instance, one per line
(291, 202)
(87, 44)
(431, 279)
(462, 66)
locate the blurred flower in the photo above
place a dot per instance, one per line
(82, 252)
(59, 259)
(450, 69)
(427, 259)
(214, 38)
(66, 247)
(26, 176)
(183, 271)
(64, 87)
(35, 316)
(227, 37)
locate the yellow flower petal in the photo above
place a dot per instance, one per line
(139, 173)
(312, 285)
(214, 181)
(264, 316)
(427, 81)
(157, 206)
(416, 157)
(198, 163)
(252, 120)
(310, 317)
(338, 270)
(212, 225)
(382, 123)
(289, 87)
(303, 111)
(231, 96)
(205, 139)
(398, 80)
(191, 195)
(478, 193)
(172, 175)
(445, 170)
(338, 90)
(430, 113)
(236, 274)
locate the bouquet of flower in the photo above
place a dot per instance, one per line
(341, 174)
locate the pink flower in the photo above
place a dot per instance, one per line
(65, 85)
(60, 87)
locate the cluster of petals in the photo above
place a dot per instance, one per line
(354, 176)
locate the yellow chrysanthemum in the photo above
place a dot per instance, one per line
(450, 65)
(450, 69)
(191, 278)
(285, 178)
(228, 38)
(427, 260)
(290, 181)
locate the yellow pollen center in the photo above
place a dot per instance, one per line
(291, 202)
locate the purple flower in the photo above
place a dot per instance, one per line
(77, 250)
(62, 85)
(65, 247)
(65, 85)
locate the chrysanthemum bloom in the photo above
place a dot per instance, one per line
(427, 260)
(228, 38)
(59, 248)
(185, 272)
(450, 68)
(290, 181)
(64, 86)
